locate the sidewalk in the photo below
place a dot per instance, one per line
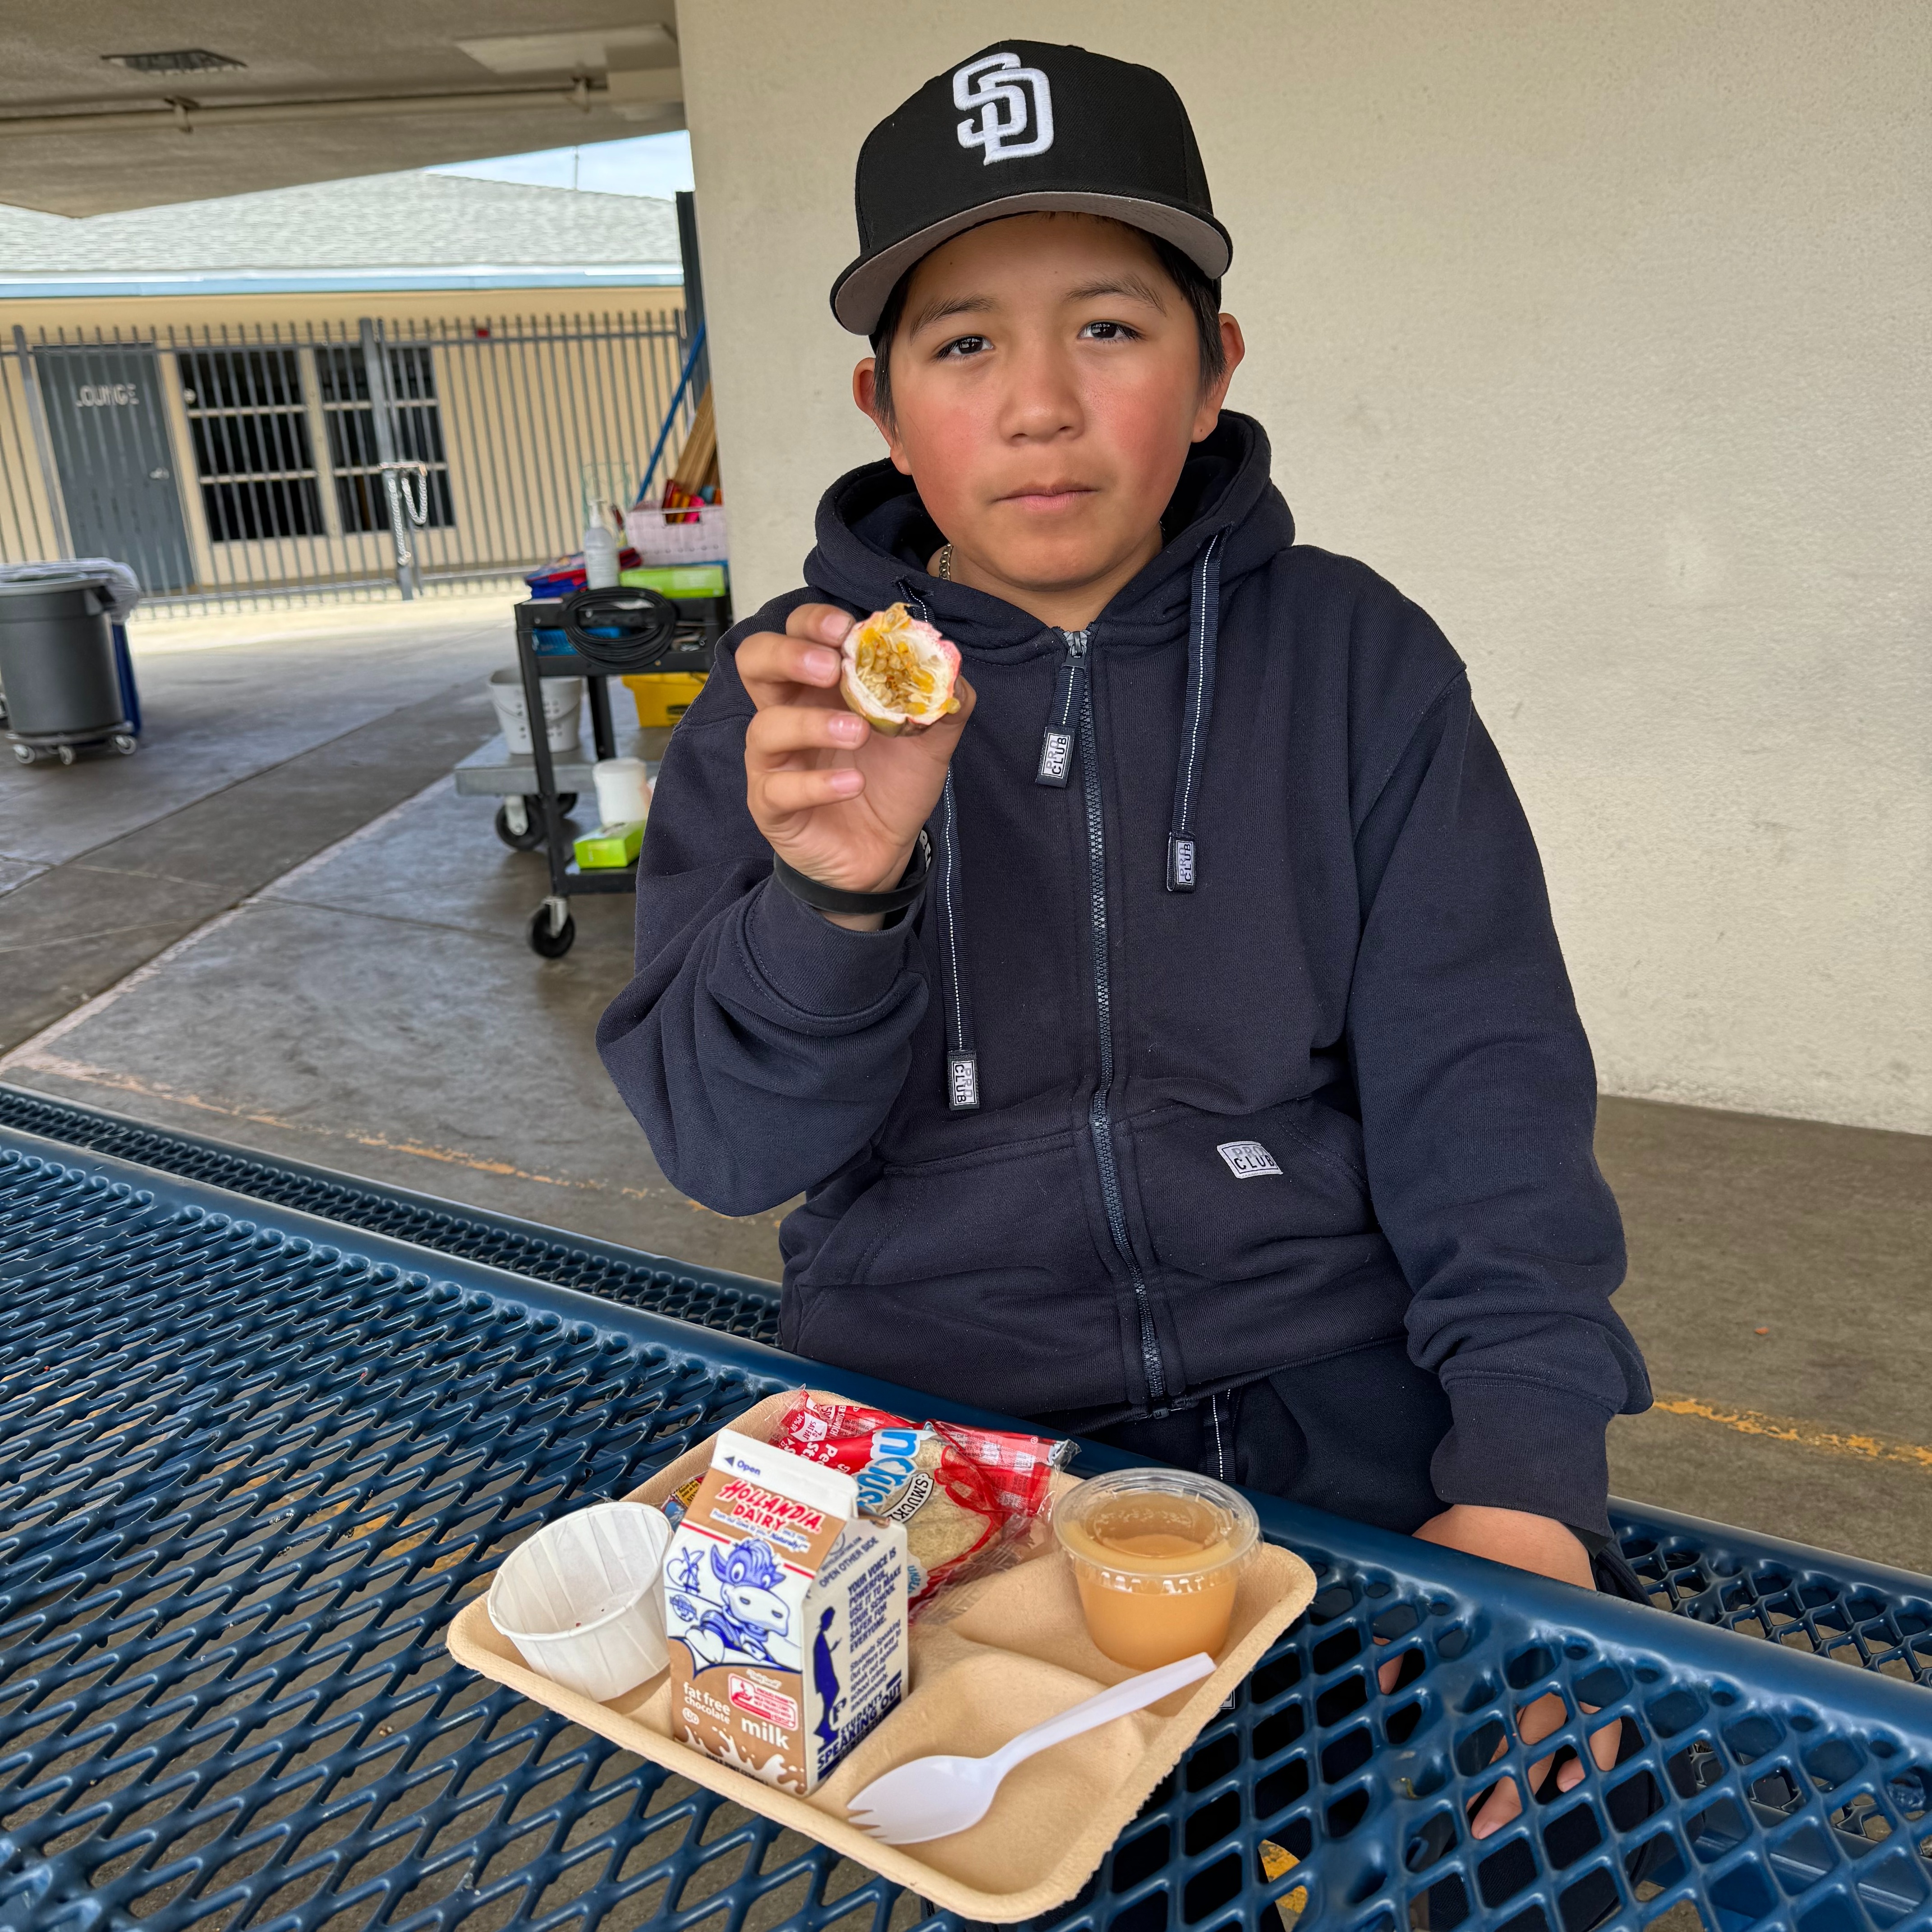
(267, 738)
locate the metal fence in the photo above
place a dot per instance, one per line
(280, 460)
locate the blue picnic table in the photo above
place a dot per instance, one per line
(264, 1430)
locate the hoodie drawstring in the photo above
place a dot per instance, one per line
(1203, 625)
(962, 1063)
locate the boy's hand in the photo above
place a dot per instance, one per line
(1526, 1542)
(836, 800)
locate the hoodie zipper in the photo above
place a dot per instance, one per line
(1100, 1119)
(1070, 696)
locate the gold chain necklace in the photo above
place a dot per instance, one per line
(946, 564)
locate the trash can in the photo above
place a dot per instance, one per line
(58, 668)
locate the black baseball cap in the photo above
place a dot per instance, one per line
(1023, 126)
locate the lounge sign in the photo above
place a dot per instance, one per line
(106, 395)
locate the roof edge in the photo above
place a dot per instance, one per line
(480, 276)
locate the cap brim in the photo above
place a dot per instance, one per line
(859, 296)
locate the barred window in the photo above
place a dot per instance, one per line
(342, 381)
(252, 454)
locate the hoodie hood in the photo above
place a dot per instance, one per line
(875, 537)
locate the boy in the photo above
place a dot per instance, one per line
(1172, 1045)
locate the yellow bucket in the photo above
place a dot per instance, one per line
(663, 696)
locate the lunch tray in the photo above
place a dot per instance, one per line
(1049, 1827)
(252, 1463)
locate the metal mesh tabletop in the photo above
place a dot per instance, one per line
(734, 1304)
(251, 1462)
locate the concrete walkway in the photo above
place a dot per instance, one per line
(349, 983)
(266, 740)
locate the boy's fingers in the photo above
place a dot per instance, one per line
(1603, 1745)
(1501, 1802)
(820, 623)
(777, 733)
(1534, 1722)
(788, 791)
(1502, 1805)
(776, 668)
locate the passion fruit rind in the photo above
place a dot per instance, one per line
(897, 674)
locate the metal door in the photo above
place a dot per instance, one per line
(106, 420)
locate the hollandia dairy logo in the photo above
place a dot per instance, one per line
(1013, 105)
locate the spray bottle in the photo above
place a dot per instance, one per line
(600, 548)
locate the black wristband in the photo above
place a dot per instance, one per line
(822, 897)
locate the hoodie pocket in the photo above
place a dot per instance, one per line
(1228, 1197)
(1265, 1240)
(974, 1277)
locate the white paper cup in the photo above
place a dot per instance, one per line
(623, 789)
(581, 1602)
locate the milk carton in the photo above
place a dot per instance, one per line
(786, 1613)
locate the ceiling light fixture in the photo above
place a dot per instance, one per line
(573, 50)
(181, 60)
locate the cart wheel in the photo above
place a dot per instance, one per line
(25, 754)
(126, 743)
(566, 803)
(67, 755)
(527, 840)
(547, 943)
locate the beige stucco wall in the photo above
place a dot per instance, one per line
(1601, 331)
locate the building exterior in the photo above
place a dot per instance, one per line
(289, 391)
(1601, 332)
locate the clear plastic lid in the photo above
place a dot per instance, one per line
(1155, 1529)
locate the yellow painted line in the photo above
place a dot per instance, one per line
(81, 1072)
(1803, 1434)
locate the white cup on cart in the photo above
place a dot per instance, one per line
(623, 790)
(581, 1600)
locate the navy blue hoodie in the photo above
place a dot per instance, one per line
(1273, 1048)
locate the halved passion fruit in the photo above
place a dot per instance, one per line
(898, 674)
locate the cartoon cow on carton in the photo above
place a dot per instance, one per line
(737, 1612)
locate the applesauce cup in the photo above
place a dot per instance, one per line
(1157, 1554)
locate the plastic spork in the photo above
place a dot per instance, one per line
(934, 1797)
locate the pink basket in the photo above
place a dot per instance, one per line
(701, 540)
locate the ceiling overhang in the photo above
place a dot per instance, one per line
(109, 104)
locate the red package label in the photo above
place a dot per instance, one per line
(774, 1706)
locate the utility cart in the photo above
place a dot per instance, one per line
(569, 637)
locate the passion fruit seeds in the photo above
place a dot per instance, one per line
(897, 674)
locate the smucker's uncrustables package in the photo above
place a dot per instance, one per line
(786, 1612)
(967, 1497)
(970, 1499)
